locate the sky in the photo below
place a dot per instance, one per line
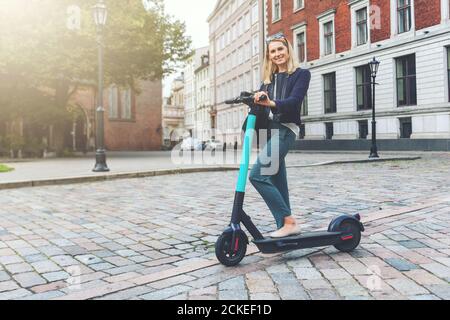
(194, 13)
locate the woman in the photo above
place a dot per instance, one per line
(286, 85)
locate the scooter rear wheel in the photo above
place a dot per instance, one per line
(350, 244)
(223, 254)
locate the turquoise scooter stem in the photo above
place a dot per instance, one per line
(243, 171)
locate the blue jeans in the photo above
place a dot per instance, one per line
(268, 176)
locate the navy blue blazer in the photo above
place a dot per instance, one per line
(297, 86)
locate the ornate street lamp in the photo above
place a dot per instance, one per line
(100, 15)
(374, 64)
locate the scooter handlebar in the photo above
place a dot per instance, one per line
(243, 98)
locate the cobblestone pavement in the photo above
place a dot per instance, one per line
(153, 238)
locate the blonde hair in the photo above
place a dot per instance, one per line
(270, 68)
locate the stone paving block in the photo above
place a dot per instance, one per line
(444, 261)
(15, 294)
(54, 286)
(260, 285)
(113, 246)
(165, 293)
(172, 252)
(26, 251)
(323, 294)
(7, 252)
(440, 290)
(8, 286)
(39, 243)
(127, 294)
(237, 283)
(45, 266)
(88, 259)
(424, 297)
(171, 281)
(233, 295)
(349, 288)
(64, 260)
(412, 244)
(126, 253)
(124, 269)
(36, 258)
(103, 253)
(44, 296)
(315, 284)
(335, 274)
(56, 276)
(208, 291)
(401, 264)
(406, 286)
(4, 276)
(12, 259)
(264, 296)
(101, 266)
(438, 270)
(292, 291)
(17, 244)
(52, 251)
(307, 273)
(118, 261)
(18, 268)
(29, 279)
(280, 268)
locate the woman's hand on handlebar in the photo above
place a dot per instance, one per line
(266, 103)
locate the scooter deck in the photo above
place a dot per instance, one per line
(300, 241)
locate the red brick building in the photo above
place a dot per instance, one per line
(336, 39)
(133, 121)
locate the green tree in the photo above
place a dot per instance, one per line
(43, 62)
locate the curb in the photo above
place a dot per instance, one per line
(152, 173)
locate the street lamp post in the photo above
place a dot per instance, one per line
(100, 16)
(374, 64)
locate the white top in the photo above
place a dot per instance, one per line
(293, 126)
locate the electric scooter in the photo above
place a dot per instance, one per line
(344, 232)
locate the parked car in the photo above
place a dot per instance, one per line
(191, 144)
(213, 144)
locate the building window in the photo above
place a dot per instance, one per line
(448, 71)
(126, 104)
(255, 13)
(329, 81)
(113, 102)
(328, 38)
(299, 4)
(301, 47)
(276, 10)
(405, 128)
(406, 80)
(329, 130)
(363, 88)
(255, 42)
(403, 15)
(304, 107)
(361, 26)
(363, 129)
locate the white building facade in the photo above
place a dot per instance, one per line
(236, 54)
(413, 80)
(190, 92)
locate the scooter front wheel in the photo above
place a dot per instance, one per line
(231, 256)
